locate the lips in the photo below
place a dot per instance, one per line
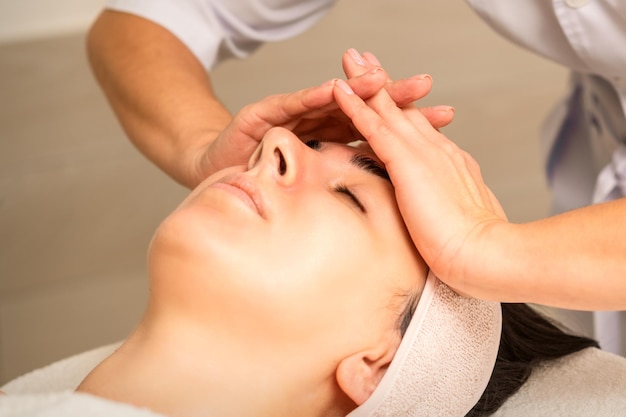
(245, 190)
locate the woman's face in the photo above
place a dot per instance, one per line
(303, 247)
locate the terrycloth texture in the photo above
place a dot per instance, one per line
(444, 361)
(49, 391)
(65, 374)
(589, 383)
(67, 404)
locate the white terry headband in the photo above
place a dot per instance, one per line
(444, 361)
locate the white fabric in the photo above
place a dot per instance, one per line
(49, 391)
(67, 404)
(589, 38)
(65, 374)
(585, 137)
(589, 383)
(214, 30)
(612, 179)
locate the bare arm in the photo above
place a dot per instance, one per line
(159, 91)
(573, 260)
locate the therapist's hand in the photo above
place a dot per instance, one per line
(312, 113)
(403, 92)
(440, 192)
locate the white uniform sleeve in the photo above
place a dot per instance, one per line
(588, 36)
(218, 29)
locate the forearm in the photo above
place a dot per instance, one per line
(159, 91)
(574, 260)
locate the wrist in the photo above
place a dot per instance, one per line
(490, 262)
(192, 163)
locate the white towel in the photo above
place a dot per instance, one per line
(66, 404)
(589, 383)
(49, 391)
(65, 374)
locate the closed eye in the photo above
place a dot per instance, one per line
(346, 191)
(317, 145)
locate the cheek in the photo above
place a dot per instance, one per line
(323, 274)
(320, 242)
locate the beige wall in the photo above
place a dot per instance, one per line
(78, 204)
(28, 19)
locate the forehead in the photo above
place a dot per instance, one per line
(357, 147)
(364, 147)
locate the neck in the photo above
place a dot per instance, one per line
(179, 370)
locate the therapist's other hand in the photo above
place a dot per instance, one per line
(443, 199)
(310, 113)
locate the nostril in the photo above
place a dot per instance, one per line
(282, 164)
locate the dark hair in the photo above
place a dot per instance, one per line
(528, 339)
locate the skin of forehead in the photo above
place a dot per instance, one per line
(363, 146)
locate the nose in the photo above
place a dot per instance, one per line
(279, 155)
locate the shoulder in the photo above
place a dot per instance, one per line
(586, 383)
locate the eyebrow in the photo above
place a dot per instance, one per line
(370, 166)
(358, 160)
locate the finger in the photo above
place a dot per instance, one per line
(354, 64)
(366, 85)
(438, 116)
(355, 108)
(371, 58)
(383, 104)
(281, 109)
(403, 92)
(369, 83)
(357, 68)
(376, 130)
(408, 90)
(400, 118)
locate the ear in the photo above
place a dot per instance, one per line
(358, 375)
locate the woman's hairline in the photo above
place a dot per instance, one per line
(410, 305)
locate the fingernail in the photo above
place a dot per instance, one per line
(444, 108)
(356, 56)
(371, 58)
(421, 77)
(344, 86)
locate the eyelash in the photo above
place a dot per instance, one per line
(340, 188)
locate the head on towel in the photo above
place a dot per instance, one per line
(290, 286)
